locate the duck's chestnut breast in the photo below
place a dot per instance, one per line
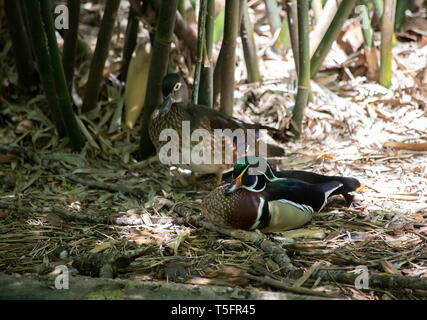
(238, 210)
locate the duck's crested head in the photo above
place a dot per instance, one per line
(174, 90)
(169, 82)
(250, 173)
(253, 165)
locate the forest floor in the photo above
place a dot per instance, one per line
(105, 214)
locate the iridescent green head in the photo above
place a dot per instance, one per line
(174, 90)
(253, 165)
(251, 173)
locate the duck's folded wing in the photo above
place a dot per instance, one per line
(349, 184)
(286, 215)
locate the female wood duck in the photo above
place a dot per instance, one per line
(176, 108)
(258, 199)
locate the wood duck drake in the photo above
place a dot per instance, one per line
(257, 198)
(176, 109)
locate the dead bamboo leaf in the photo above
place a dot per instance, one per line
(313, 233)
(307, 274)
(389, 268)
(176, 242)
(372, 63)
(229, 275)
(136, 84)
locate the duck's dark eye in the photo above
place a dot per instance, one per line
(249, 180)
(177, 86)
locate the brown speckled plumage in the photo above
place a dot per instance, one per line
(176, 109)
(238, 210)
(173, 120)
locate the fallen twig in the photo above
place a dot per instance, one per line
(281, 286)
(406, 146)
(375, 280)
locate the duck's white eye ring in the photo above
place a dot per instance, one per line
(177, 86)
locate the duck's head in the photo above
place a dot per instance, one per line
(174, 90)
(251, 173)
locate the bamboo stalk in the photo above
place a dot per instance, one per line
(331, 34)
(379, 7)
(181, 9)
(291, 9)
(158, 68)
(76, 137)
(219, 26)
(130, 42)
(401, 6)
(322, 25)
(387, 25)
(181, 29)
(217, 76)
(231, 26)
(199, 53)
(206, 77)
(100, 55)
(41, 52)
(273, 15)
(70, 42)
(26, 22)
(284, 39)
(20, 44)
(83, 50)
(304, 74)
(366, 24)
(317, 9)
(249, 48)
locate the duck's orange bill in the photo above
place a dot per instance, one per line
(239, 179)
(361, 188)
